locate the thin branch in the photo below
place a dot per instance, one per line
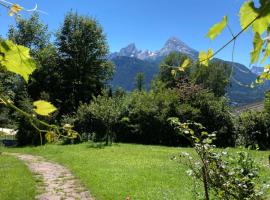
(230, 30)
(230, 41)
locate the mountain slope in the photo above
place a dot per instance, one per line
(127, 68)
(130, 61)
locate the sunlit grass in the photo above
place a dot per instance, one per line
(137, 171)
(16, 181)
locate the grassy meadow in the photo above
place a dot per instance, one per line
(16, 181)
(125, 170)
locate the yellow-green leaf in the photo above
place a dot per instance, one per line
(17, 59)
(266, 52)
(205, 57)
(257, 47)
(187, 62)
(44, 108)
(259, 80)
(217, 28)
(267, 68)
(265, 75)
(247, 13)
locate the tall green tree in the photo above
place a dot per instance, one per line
(108, 110)
(171, 62)
(215, 76)
(140, 81)
(31, 33)
(82, 48)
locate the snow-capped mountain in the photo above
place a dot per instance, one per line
(173, 44)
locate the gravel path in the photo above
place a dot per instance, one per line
(57, 182)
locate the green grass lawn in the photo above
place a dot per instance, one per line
(138, 171)
(16, 181)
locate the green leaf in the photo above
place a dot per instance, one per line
(187, 62)
(205, 57)
(262, 23)
(266, 52)
(265, 75)
(44, 108)
(259, 80)
(257, 47)
(247, 13)
(217, 28)
(16, 58)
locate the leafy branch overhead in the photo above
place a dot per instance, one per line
(256, 17)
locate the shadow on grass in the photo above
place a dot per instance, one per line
(100, 145)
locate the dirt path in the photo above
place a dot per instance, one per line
(57, 181)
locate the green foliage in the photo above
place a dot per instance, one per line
(253, 129)
(267, 102)
(255, 16)
(140, 82)
(84, 70)
(215, 77)
(105, 110)
(220, 174)
(257, 47)
(172, 62)
(31, 33)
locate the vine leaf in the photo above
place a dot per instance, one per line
(17, 59)
(259, 80)
(266, 52)
(249, 13)
(14, 9)
(187, 62)
(215, 30)
(257, 47)
(44, 108)
(204, 57)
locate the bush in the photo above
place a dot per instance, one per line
(253, 129)
(146, 118)
(221, 174)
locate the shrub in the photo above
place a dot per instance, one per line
(253, 128)
(220, 174)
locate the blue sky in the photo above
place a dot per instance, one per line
(149, 23)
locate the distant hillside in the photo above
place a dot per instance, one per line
(130, 61)
(127, 68)
(240, 91)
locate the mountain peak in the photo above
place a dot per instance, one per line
(129, 51)
(173, 44)
(174, 41)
